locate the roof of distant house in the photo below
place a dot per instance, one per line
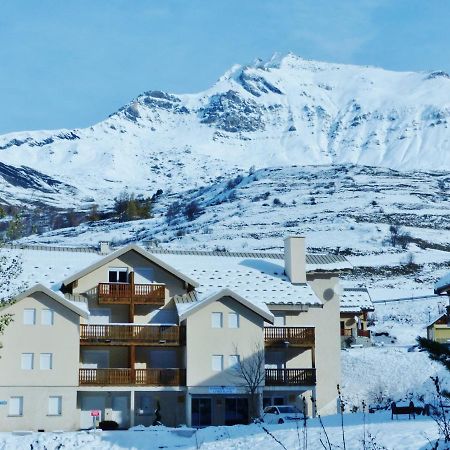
(356, 300)
(442, 285)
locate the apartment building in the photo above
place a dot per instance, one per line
(174, 330)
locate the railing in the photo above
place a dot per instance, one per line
(164, 335)
(125, 293)
(351, 332)
(364, 333)
(290, 377)
(289, 336)
(141, 377)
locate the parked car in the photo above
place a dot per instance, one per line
(281, 414)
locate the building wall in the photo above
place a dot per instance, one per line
(328, 342)
(131, 260)
(35, 409)
(61, 339)
(442, 333)
(36, 385)
(325, 319)
(203, 341)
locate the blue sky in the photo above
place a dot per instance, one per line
(70, 63)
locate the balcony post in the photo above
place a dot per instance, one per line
(132, 412)
(131, 309)
(132, 363)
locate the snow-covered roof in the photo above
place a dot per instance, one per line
(436, 319)
(122, 251)
(442, 285)
(259, 280)
(356, 300)
(76, 307)
(188, 308)
(314, 262)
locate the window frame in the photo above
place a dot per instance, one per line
(59, 406)
(50, 360)
(215, 314)
(31, 360)
(236, 315)
(118, 270)
(214, 359)
(51, 315)
(236, 364)
(20, 413)
(25, 316)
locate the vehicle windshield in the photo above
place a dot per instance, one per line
(288, 409)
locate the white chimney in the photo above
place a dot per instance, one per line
(104, 248)
(295, 259)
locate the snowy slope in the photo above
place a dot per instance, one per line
(281, 112)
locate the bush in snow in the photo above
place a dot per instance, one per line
(192, 210)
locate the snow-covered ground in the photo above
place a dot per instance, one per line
(403, 434)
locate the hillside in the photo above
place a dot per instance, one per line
(277, 113)
(349, 209)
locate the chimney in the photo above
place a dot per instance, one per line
(295, 259)
(104, 248)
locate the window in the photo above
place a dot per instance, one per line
(217, 363)
(233, 362)
(47, 316)
(118, 275)
(216, 320)
(233, 320)
(46, 361)
(15, 406)
(29, 316)
(27, 361)
(55, 406)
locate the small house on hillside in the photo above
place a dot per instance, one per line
(439, 329)
(356, 303)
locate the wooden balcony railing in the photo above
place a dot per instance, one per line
(126, 293)
(289, 336)
(159, 335)
(350, 332)
(290, 377)
(364, 333)
(132, 377)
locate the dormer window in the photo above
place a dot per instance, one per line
(118, 275)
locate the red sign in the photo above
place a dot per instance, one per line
(95, 413)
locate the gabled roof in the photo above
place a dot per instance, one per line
(185, 309)
(442, 285)
(356, 300)
(122, 251)
(436, 319)
(53, 295)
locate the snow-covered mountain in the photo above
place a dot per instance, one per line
(282, 112)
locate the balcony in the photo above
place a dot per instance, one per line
(132, 377)
(350, 332)
(145, 335)
(289, 336)
(126, 293)
(290, 377)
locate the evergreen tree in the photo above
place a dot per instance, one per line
(15, 228)
(436, 351)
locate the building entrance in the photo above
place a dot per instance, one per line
(201, 412)
(236, 411)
